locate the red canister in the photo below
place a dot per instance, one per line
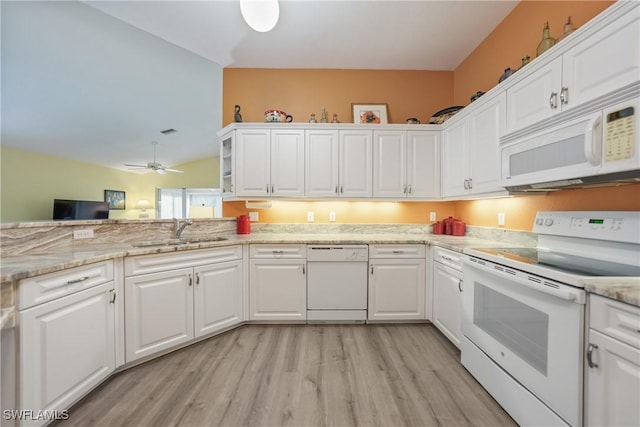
(448, 225)
(438, 227)
(458, 228)
(244, 226)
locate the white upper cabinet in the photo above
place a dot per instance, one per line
(269, 163)
(406, 164)
(321, 163)
(470, 160)
(606, 59)
(356, 161)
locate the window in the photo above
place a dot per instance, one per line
(188, 203)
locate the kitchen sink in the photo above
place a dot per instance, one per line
(176, 242)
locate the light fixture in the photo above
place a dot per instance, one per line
(261, 15)
(143, 205)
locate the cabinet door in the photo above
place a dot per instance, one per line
(455, 156)
(277, 290)
(217, 302)
(159, 311)
(67, 346)
(535, 98)
(321, 163)
(604, 62)
(253, 152)
(396, 289)
(356, 163)
(227, 165)
(613, 387)
(447, 301)
(423, 164)
(389, 164)
(287, 163)
(486, 126)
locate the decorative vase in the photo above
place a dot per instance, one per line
(507, 72)
(525, 60)
(312, 119)
(335, 119)
(547, 41)
(567, 29)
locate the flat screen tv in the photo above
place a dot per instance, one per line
(80, 209)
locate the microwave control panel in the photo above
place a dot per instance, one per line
(619, 134)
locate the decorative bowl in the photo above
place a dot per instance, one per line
(277, 116)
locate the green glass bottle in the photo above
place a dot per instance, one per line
(547, 41)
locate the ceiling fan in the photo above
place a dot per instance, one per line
(154, 166)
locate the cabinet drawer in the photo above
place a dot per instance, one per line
(616, 319)
(47, 287)
(278, 251)
(144, 264)
(397, 251)
(448, 257)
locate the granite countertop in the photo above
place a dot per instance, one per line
(17, 267)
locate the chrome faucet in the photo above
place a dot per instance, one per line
(179, 228)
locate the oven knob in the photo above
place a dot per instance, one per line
(539, 221)
(548, 222)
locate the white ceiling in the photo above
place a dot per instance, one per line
(78, 83)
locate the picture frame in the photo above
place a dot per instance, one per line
(116, 199)
(370, 113)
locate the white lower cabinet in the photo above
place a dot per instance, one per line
(278, 283)
(447, 293)
(173, 306)
(396, 282)
(66, 345)
(613, 364)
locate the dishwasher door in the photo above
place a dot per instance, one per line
(337, 283)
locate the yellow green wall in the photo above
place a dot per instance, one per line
(30, 181)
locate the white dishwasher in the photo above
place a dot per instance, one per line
(337, 283)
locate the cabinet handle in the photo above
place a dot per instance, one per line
(410, 190)
(277, 252)
(372, 270)
(398, 252)
(267, 188)
(74, 281)
(304, 271)
(446, 258)
(405, 189)
(190, 280)
(590, 355)
(336, 189)
(271, 188)
(342, 189)
(197, 278)
(470, 183)
(113, 296)
(553, 100)
(460, 285)
(466, 184)
(564, 96)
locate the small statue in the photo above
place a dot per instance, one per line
(335, 119)
(312, 119)
(323, 117)
(237, 116)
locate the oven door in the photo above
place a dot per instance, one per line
(531, 327)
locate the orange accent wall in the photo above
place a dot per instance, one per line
(351, 212)
(300, 92)
(516, 36)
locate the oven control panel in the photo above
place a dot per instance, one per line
(617, 226)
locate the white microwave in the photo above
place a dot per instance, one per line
(601, 147)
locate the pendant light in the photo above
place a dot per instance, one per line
(261, 15)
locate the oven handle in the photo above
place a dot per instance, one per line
(577, 295)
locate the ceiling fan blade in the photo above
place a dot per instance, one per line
(161, 171)
(174, 170)
(136, 166)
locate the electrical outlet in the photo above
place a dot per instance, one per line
(500, 218)
(83, 234)
(432, 216)
(253, 216)
(310, 217)
(332, 216)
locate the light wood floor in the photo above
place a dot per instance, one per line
(306, 375)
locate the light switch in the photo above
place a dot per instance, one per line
(332, 216)
(310, 217)
(500, 218)
(254, 217)
(432, 216)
